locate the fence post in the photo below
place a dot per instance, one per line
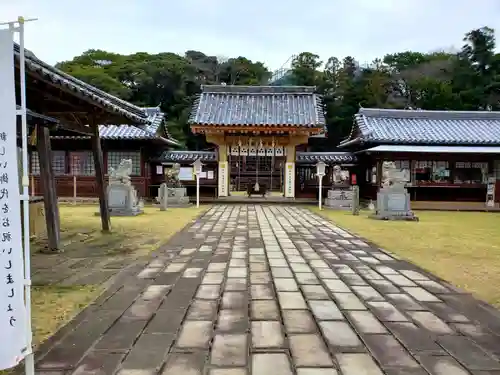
(74, 189)
(32, 185)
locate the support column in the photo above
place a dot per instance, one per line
(290, 171)
(100, 183)
(49, 189)
(223, 172)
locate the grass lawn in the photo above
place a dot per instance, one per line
(54, 306)
(138, 235)
(460, 247)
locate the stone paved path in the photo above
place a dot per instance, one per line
(256, 290)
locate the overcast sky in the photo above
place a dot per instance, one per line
(266, 30)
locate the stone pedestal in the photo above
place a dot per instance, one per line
(177, 197)
(393, 204)
(122, 200)
(339, 199)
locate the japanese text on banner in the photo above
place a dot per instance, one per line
(12, 309)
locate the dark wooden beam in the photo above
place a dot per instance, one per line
(99, 174)
(64, 93)
(49, 189)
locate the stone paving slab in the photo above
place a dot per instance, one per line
(262, 289)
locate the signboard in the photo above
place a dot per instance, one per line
(223, 179)
(339, 198)
(290, 180)
(12, 309)
(396, 202)
(159, 169)
(186, 174)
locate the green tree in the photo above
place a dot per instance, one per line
(467, 80)
(305, 69)
(164, 79)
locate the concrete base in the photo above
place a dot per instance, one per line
(330, 206)
(115, 212)
(408, 217)
(180, 202)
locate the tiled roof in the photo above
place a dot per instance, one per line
(188, 156)
(131, 132)
(57, 77)
(258, 106)
(426, 127)
(326, 157)
(150, 131)
(302, 157)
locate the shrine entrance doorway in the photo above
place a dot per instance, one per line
(260, 164)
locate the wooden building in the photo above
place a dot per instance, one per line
(257, 130)
(306, 182)
(72, 159)
(451, 158)
(208, 180)
(76, 107)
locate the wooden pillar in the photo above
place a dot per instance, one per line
(99, 177)
(49, 189)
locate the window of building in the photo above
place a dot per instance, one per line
(496, 169)
(470, 173)
(35, 164)
(82, 163)
(426, 172)
(115, 157)
(305, 174)
(58, 163)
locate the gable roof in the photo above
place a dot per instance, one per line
(291, 106)
(58, 78)
(301, 157)
(425, 127)
(307, 157)
(187, 156)
(131, 132)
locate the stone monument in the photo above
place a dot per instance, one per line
(340, 196)
(163, 196)
(176, 195)
(122, 196)
(393, 200)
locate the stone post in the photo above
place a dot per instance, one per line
(163, 196)
(355, 200)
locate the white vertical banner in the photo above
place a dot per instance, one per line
(12, 308)
(223, 179)
(290, 180)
